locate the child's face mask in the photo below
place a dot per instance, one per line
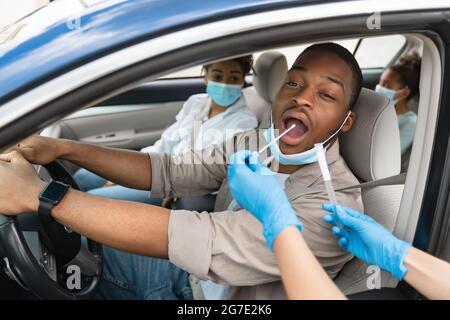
(388, 93)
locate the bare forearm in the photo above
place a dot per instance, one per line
(124, 225)
(427, 274)
(302, 275)
(128, 168)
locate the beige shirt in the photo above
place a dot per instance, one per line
(228, 247)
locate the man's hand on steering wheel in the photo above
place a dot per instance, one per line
(43, 271)
(39, 150)
(20, 185)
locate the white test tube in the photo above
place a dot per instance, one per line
(318, 147)
(320, 152)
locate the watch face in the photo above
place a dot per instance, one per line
(54, 192)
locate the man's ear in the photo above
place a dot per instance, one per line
(349, 122)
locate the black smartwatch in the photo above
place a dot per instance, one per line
(51, 196)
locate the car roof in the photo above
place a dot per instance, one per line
(62, 44)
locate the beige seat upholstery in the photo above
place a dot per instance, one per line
(270, 72)
(372, 151)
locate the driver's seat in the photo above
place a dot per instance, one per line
(372, 151)
(270, 71)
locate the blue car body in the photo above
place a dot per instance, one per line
(105, 27)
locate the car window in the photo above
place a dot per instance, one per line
(374, 52)
(291, 53)
(377, 52)
(185, 73)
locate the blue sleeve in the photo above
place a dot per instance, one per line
(407, 130)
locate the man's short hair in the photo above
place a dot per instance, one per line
(348, 57)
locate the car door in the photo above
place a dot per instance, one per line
(131, 120)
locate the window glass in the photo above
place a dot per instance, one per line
(374, 52)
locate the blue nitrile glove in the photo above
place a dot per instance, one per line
(256, 189)
(368, 240)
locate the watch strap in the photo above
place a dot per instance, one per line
(45, 208)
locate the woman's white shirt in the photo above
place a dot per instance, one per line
(194, 131)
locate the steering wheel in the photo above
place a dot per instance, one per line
(47, 258)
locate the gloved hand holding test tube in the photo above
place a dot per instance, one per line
(233, 204)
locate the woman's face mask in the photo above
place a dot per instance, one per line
(305, 157)
(223, 94)
(225, 80)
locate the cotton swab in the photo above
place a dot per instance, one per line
(233, 204)
(276, 139)
(270, 159)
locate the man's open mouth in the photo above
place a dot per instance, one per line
(295, 135)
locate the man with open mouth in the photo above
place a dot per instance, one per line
(156, 249)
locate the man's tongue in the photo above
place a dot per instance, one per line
(298, 130)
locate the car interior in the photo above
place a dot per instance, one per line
(136, 118)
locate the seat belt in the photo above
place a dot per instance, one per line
(389, 181)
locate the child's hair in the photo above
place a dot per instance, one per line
(246, 64)
(408, 69)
